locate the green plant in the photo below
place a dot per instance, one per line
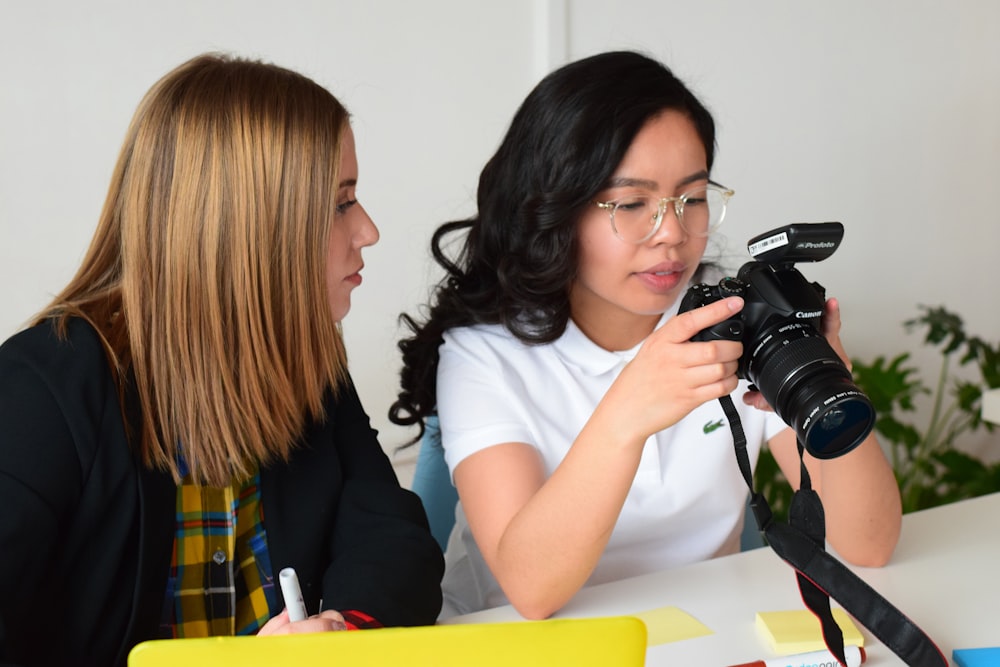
(930, 468)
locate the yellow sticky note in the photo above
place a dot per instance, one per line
(798, 631)
(670, 624)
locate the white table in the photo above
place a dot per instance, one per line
(944, 575)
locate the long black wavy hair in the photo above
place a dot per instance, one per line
(519, 257)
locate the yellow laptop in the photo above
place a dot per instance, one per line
(619, 641)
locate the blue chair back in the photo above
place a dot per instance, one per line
(432, 482)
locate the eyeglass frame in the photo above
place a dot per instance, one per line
(661, 211)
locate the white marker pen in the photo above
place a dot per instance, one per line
(293, 595)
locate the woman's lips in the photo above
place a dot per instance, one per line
(663, 277)
(354, 278)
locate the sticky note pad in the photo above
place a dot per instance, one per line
(670, 624)
(976, 657)
(798, 631)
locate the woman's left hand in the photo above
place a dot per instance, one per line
(830, 327)
(325, 621)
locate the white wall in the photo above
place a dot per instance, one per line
(880, 114)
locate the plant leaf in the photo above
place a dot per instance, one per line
(889, 384)
(942, 325)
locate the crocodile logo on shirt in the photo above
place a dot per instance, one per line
(711, 426)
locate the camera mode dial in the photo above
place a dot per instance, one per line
(702, 295)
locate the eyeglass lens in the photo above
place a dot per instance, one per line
(699, 212)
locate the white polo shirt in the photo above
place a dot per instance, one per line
(686, 502)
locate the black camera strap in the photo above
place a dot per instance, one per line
(802, 544)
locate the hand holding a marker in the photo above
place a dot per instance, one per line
(295, 618)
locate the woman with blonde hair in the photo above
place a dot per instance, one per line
(179, 424)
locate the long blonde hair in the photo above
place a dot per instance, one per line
(205, 277)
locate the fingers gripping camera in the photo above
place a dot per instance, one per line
(784, 354)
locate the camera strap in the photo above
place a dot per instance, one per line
(802, 544)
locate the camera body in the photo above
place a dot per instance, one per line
(784, 355)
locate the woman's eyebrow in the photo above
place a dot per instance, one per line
(347, 183)
(646, 184)
(697, 176)
(628, 182)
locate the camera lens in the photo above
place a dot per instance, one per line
(810, 388)
(846, 422)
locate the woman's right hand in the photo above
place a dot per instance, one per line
(325, 621)
(671, 375)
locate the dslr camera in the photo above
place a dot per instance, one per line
(784, 354)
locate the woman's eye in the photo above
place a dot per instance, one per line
(631, 204)
(343, 206)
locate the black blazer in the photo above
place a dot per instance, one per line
(86, 532)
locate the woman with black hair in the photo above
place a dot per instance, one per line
(578, 420)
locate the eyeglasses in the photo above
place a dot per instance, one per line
(635, 218)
